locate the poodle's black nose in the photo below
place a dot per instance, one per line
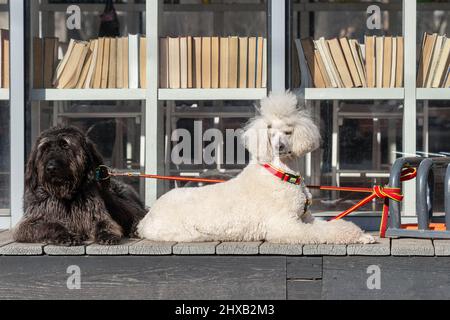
(281, 147)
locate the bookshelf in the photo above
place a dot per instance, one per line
(4, 94)
(153, 105)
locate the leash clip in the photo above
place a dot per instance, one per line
(102, 173)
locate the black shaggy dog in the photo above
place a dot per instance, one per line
(64, 204)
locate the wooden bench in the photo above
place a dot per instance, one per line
(409, 268)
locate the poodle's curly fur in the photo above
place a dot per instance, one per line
(255, 205)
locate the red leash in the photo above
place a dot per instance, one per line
(103, 173)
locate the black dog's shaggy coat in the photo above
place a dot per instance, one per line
(63, 202)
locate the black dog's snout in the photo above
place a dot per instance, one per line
(51, 167)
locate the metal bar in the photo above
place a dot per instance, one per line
(410, 112)
(153, 114)
(447, 197)
(278, 45)
(423, 194)
(394, 182)
(17, 74)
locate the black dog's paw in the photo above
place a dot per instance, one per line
(68, 239)
(107, 238)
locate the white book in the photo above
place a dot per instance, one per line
(264, 73)
(444, 60)
(379, 54)
(90, 75)
(359, 61)
(133, 61)
(434, 61)
(306, 80)
(394, 63)
(183, 63)
(324, 52)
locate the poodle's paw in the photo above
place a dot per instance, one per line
(366, 239)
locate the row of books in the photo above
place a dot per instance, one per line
(4, 58)
(434, 62)
(114, 63)
(213, 62)
(345, 63)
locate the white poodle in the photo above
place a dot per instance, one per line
(258, 204)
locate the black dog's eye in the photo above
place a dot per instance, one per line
(63, 144)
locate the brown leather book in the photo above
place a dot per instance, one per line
(190, 71)
(99, 65)
(341, 64)
(387, 62)
(143, 61)
(215, 62)
(183, 63)
(206, 63)
(349, 58)
(233, 54)
(105, 67)
(259, 61)
(164, 63)
(370, 61)
(243, 62)
(312, 57)
(198, 62)
(174, 63)
(224, 60)
(400, 63)
(112, 70)
(251, 73)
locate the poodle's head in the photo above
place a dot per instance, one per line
(281, 130)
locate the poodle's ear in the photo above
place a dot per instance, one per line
(306, 135)
(256, 140)
(31, 173)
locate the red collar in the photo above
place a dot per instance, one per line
(284, 176)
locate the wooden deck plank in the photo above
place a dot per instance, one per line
(147, 247)
(283, 249)
(382, 247)
(412, 247)
(145, 277)
(324, 250)
(304, 289)
(22, 249)
(195, 248)
(6, 238)
(238, 248)
(55, 250)
(306, 268)
(441, 247)
(121, 249)
(355, 278)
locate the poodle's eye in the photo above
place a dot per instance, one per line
(288, 132)
(269, 126)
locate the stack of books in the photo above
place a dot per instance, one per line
(213, 62)
(434, 62)
(4, 58)
(113, 63)
(345, 63)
